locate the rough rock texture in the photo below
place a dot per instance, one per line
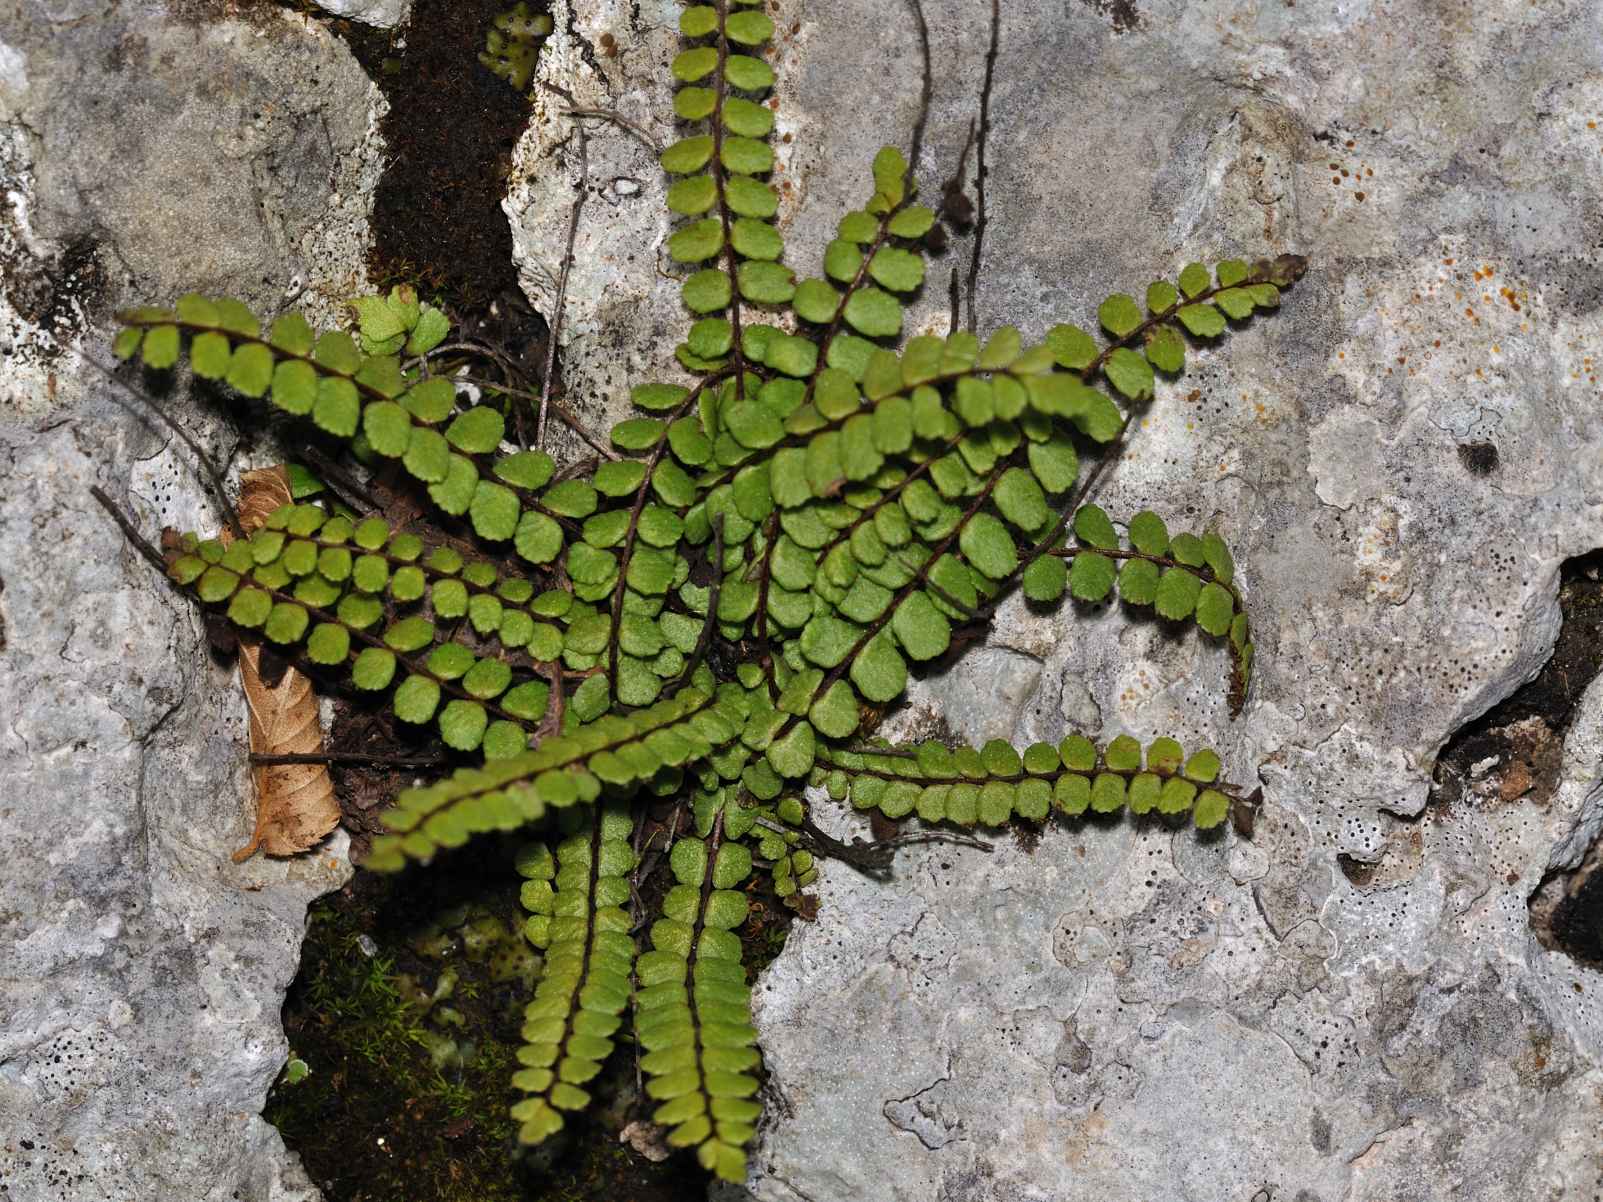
(619, 309)
(147, 151)
(1352, 1006)
(386, 14)
(143, 152)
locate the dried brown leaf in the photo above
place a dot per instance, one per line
(295, 805)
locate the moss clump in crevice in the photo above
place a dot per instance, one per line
(406, 1015)
(408, 1029)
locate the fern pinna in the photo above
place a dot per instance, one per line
(716, 612)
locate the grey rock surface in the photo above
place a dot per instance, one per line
(143, 972)
(151, 150)
(1128, 1011)
(619, 309)
(386, 14)
(144, 151)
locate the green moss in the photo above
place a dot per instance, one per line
(406, 1016)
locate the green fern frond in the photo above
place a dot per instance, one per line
(614, 754)
(996, 783)
(728, 238)
(576, 903)
(693, 1008)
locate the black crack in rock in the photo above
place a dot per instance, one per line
(449, 137)
(1513, 752)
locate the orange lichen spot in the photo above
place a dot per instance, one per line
(1336, 179)
(1351, 144)
(1194, 395)
(1344, 173)
(1369, 173)
(1359, 195)
(1591, 125)
(1496, 350)
(1341, 354)
(1437, 344)
(1449, 262)
(1402, 359)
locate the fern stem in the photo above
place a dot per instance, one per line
(516, 657)
(596, 813)
(1203, 573)
(343, 484)
(704, 640)
(641, 493)
(620, 121)
(144, 409)
(715, 839)
(411, 665)
(765, 658)
(1234, 792)
(125, 523)
(720, 180)
(1114, 450)
(918, 581)
(980, 171)
(838, 423)
(833, 329)
(555, 324)
(351, 757)
(925, 93)
(892, 494)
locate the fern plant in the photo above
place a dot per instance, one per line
(717, 613)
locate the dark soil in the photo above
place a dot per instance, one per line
(449, 135)
(1576, 921)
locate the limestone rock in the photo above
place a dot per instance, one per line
(144, 152)
(386, 14)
